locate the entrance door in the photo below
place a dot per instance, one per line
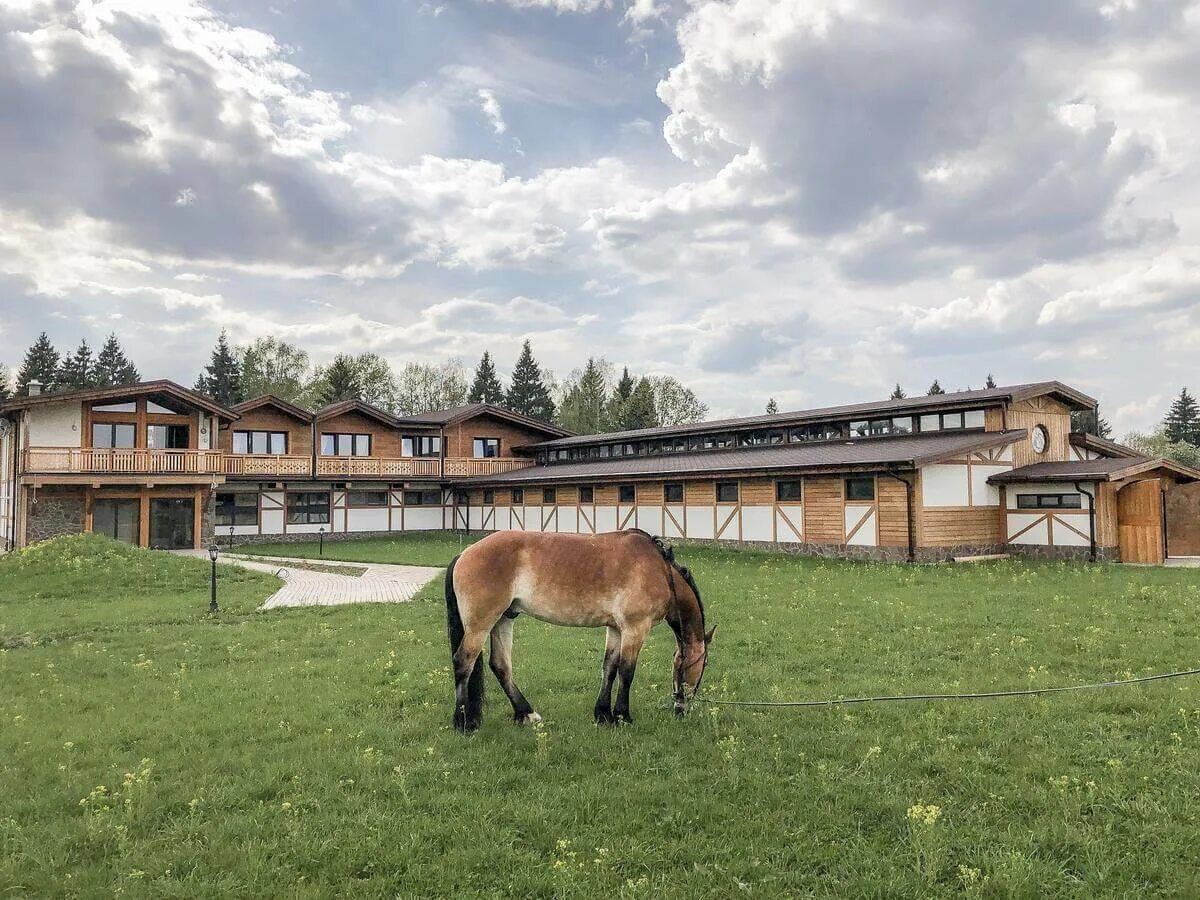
(117, 519)
(1139, 522)
(1183, 520)
(172, 523)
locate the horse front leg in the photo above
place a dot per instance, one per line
(631, 646)
(608, 674)
(500, 660)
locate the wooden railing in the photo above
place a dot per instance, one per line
(121, 461)
(267, 464)
(466, 467)
(413, 467)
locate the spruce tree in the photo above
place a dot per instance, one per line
(486, 387)
(222, 377)
(40, 364)
(990, 383)
(934, 389)
(639, 411)
(338, 381)
(898, 393)
(528, 394)
(584, 406)
(113, 367)
(78, 370)
(772, 407)
(622, 392)
(5, 383)
(1182, 424)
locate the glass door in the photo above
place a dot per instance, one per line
(118, 519)
(172, 523)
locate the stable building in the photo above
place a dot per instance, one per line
(927, 478)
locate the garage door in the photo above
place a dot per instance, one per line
(1139, 521)
(1183, 520)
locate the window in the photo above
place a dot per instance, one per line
(973, 419)
(159, 409)
(308, 508)
(673, 493)
(264, 442)
(1049, 501)
(931, 422)
(240, 508)
(675, 445)
(727, 492)
(167, 437)
(860, 488)
(626, 493)
(829, 431)
(952, 421)
(421, 445)
(486, 448)
(463, 498)
(113, 435)
(489, 497)
(587, 494)
(549, 495)
(423, 498)
(518, 496)
(345, 445)
(752, 438)
(366, 498)
(130, 406)
(787, 491)
(902, 425)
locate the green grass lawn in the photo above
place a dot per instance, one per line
(308, 752)
(431, 548)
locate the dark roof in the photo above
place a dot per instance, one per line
(467, 411)
(870, 453)
(1103, 445)
(283, 406)
(142, 388)
(1107, 469)
(959, 399)
(357, 406)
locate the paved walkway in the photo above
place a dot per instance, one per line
(305, 587)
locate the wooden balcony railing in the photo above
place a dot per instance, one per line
(413, 467)
(466, 467)
(270, 464)
(121, 461)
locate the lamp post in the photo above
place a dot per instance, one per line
(213, 552)
(231, 528)
(321, 540)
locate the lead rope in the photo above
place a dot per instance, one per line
(985, 695)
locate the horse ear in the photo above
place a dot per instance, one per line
(708, 637)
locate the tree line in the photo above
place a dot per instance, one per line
(1177, 437)
(590, 400)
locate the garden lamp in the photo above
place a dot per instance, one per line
(213, 552)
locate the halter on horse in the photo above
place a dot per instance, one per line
(626, 582)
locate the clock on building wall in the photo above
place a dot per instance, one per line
(1041, 439)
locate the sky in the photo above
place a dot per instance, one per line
(810, 200)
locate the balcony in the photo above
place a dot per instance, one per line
(467, 467)
(121, 461)
(415, 467)
(268, 464)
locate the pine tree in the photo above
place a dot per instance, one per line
(486, 387)
(1088, 421)
(221, 379)
(528, 394)
(772, 407)
(5, 383)
(898, 393)
(621, 393)
(584, 405)
(113, 366)
(990, 383)
(78, 370)
(338, 381)
(40, 364)
(1182, 424)
(934, 389)
(638, 411)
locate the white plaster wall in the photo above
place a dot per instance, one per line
(982, 493)
(271, 518)
(784, 530)
(375, 519)
(422, 518)
(1065, 537)
(756, 523)
(867, 535)
(1039, 535)
(475, 518)
(649, 518)
(55, 425)
(944, 486)
(728, 528)
(533, 518)
(587, 513)
(700, 522)
(670, 529)
(568, 519)
(606, 519)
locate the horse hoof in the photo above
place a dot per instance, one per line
(531, 718)
(604, 717)
(623, 719)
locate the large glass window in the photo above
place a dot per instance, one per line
(262, 442)
(486, 448)
(1049, 501)
(787, 491)
(114, 435)
(952, 421)
(727, 492)
(128, 406)
(860, 489)
(167, 437)
(237, 508)
(308, 508)
(423, 498)
(366, 498)
(345, 445)
(673, 492)
(421, 445)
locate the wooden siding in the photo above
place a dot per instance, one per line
(951, 526)
(757, 491)
(385, 440)
(892, 500)
(460, 438)
(267, 418)
(824, 514)
(700, 492)
(1056, 418)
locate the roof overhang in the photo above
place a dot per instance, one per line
(288, 409)
(142, 389)
(357, 406)
(1112, 470)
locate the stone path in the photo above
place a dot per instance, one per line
(305, 587)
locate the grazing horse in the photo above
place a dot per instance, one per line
(626, 582)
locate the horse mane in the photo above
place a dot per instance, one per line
(668, 555)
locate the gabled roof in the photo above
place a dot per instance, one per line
(283, 406)
(900, 453)
(957, 400)
(161, 387)
(1104, 446)
(1106, 469)
(467, 411)
(356, 406)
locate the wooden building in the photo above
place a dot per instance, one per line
(969, 473)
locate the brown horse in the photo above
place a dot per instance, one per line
(626, 582)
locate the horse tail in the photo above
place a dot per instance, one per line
(456, 630)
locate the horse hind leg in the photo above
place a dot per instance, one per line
(608, 674)
(468, 681)
(500, 660)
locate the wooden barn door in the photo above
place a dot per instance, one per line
(1183, 520)
(1139, 521)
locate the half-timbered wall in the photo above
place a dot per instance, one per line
(1045, 527)
(958, 506)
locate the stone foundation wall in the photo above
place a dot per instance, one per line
(1071, 554)
(57, 512)
(222, 539)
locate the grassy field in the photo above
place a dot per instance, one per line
(154, 751)
(433, 548)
